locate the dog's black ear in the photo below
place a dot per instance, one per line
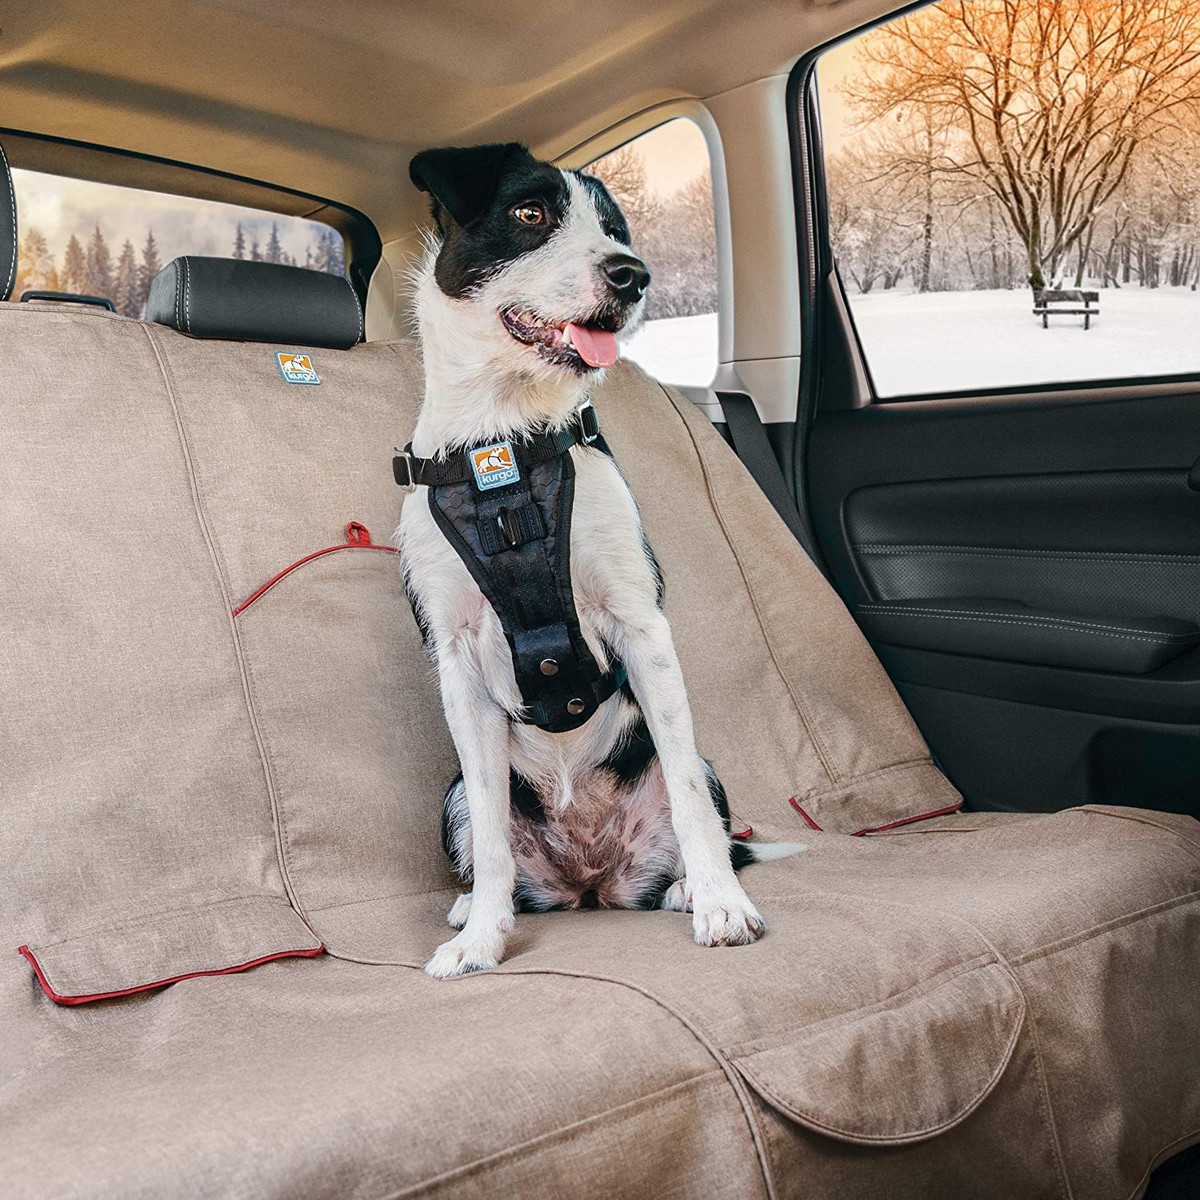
(463, 180)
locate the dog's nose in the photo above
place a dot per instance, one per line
(626, 277)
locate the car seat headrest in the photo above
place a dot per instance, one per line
(8, 229)
(252, 301)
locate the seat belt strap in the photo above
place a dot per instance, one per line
(753, 447)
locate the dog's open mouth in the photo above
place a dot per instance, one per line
(575, 344)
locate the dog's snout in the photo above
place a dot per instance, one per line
(626, 276)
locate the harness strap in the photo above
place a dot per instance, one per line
(411, 471)
(505, 508)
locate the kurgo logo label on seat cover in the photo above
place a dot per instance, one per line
(494, 466)
(297, 368)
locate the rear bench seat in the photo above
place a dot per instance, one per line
(222, 748)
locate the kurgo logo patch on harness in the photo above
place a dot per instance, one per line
(297, 368)
(494, 466)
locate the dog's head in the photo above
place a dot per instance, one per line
(539, 257)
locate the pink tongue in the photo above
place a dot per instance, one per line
(597, 347)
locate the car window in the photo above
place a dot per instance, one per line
(1011, 189)
(102, 240)
(663, 181)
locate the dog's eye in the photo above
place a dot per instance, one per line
(530, 214)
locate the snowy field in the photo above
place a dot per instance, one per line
(953, 341)
(677, 349)
(957, 341)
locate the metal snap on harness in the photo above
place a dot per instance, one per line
(403, 462)
(507, 522)
(589, 423)
(548, 666)
(575, 707)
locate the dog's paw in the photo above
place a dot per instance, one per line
(477, 949)
(677, 898)
(460, 910)
(726, 918)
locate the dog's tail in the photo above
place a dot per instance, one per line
(745, 853)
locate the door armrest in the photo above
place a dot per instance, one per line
(1009, 630)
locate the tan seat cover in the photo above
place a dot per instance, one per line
(223, 745)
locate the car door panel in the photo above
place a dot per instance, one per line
(1059, 511)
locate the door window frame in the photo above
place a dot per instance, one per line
(628, 129)
(127, 168)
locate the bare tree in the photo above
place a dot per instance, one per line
(674, 232)
(872, 223)
(624, 174)
(1052, 100)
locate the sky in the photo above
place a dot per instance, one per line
(832, 68)
(58, 206)
(673, 155)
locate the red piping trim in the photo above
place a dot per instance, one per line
(745, 833)
(937, 812)
(796, 805)
(357, 538)
(146, 987)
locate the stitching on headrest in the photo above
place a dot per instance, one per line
(187, 295)
(358, 305)
(12, 199)
(178, 296)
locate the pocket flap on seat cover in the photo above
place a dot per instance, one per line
(897, 1073)
(220, 938)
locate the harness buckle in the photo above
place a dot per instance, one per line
(403, 462)
(589, 423)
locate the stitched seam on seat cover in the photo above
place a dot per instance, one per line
(1086, 935)
(841, 785)
(928, 1131)
(801, 710)
(243, 666)
(1027, 1011)
(1044, 1102)
(1110, 631)
(732, 1075)
(898, 548)
(1190, 844)
(12, 200)
(324, 908)
(566, 1133)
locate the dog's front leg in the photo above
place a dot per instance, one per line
(480, 731)
(721, 911)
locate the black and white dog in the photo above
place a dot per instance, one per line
(520, 301)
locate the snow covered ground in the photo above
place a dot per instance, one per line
(677, 349)
(956, 341)
(953, 341)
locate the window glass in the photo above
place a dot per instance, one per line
(991, 158)
(103, 240)
(663, 182)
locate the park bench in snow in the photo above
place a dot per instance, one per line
(1043, 298)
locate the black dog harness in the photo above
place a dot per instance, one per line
(505, 507)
